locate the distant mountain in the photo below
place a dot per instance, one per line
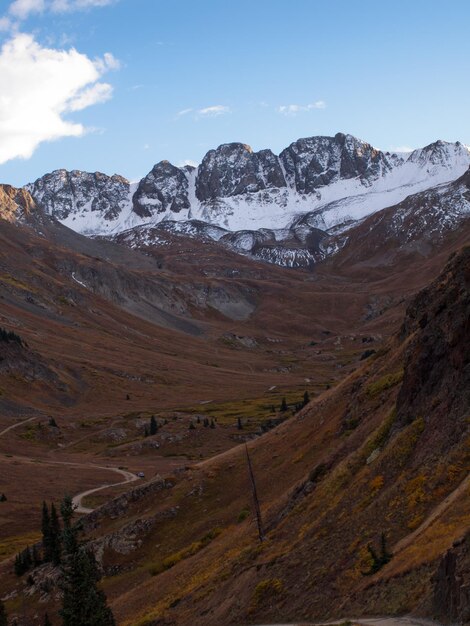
(275, 208)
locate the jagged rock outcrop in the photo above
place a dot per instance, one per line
(438, 358)
(15, 203)
(320, 183)
(318, 161)
(233, 169)
(451, 592)
(164, 189)
(64, 194)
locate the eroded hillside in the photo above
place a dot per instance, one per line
(377, 456)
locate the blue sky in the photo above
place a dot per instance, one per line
(181, 77)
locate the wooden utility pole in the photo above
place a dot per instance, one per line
(255, 496)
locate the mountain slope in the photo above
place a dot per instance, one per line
(340, 177)
(378, 454)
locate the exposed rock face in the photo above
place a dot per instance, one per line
(164, 189)
(438, 358)
(320, 183)
(451, 593)
(318, 161)
(414, 225)
(15, 203)
(62, 194)
(234, 169)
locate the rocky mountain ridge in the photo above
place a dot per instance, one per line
(234, 186)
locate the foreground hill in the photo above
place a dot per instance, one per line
(381, 460)
(385, 453)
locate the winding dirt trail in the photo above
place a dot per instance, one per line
(435, 513)
(407, 620)
(129, 477)
(7, 430)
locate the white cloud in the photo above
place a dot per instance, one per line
(108, 62)
(183, 112)
(43, 86)
(214, 111)
(400, 149)
(5, 24)
(64, 6)
(293, 109)
(96, 94)
(21, 9)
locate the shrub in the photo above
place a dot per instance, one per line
(266, 588)
(384, 383)
(8, 336)
(244, 513)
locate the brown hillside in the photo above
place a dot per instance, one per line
(374, 455)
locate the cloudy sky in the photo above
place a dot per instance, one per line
(117, 85)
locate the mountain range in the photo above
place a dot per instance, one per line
(292, 209)
(313, 306)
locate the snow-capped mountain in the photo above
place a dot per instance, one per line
(254, 201)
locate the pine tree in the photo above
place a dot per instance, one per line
(3, 498)
(153, 425)
(55, 536)
(18, 566)
(191, 426)
(283, 405)
(66, 511)
(83, 603)
(23, 562)
(146, 431)
(306, 398)
(46, 534)
(3, 615)
(239, 423)
(52, 422)
(35, 556)
(212, 423)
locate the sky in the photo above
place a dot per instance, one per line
(118, 85)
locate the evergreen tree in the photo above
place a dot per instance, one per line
(146, 431)
(23, 562)
(283, 405)
(153, 425)
(306, 399)
(206, 422)
(66, 511)
(18, 566)
(46, 534)
(35, 556)
(239, 424)
(55, 536)
(83, 603)
(52, 422)
(198, 419)
(212, 423)
(191, 426)
(3, 615)
(3, 498)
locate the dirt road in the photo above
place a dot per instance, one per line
(129, 477)
(6, 430)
